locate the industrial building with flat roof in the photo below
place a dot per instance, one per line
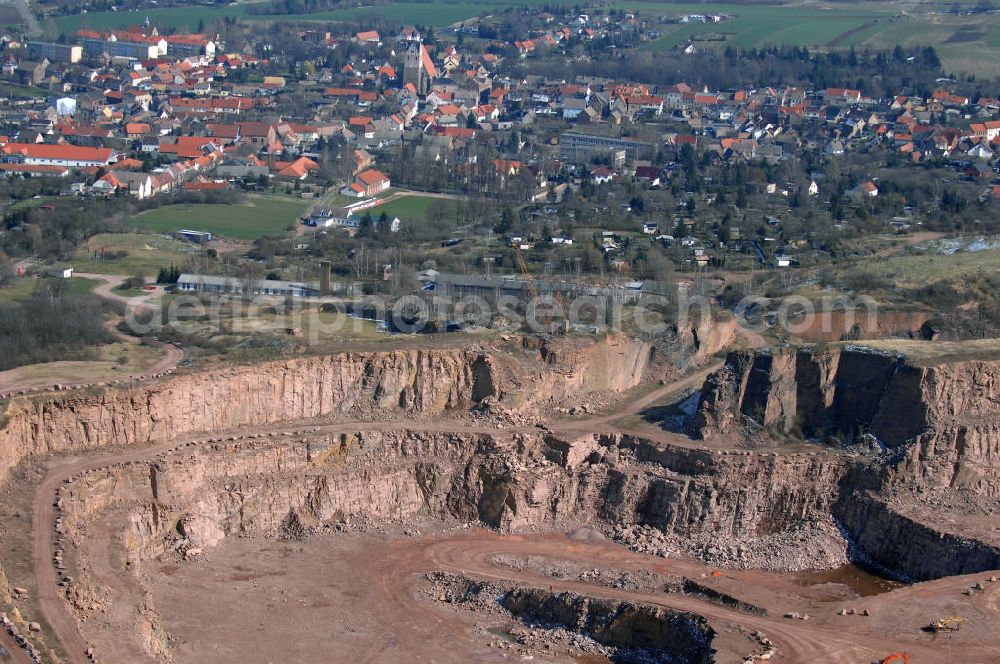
(203, 283)
(582, 148)
(53, 52)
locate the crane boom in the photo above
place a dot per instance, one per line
(528, 280)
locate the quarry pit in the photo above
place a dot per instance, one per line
(511, 500)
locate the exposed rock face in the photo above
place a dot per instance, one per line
(904, 546)
(737, 508)
(356, 385)
(947, 416)
(628, 631)
(618, 624)
(615, 363)
(837, 325)
(937, 427)
(505, 480)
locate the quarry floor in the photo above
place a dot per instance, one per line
(358, 596)
(350, 597)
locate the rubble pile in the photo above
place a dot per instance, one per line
(817, 544)
(642, 580)
(535, 622)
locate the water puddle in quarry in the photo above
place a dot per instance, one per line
(862, 582)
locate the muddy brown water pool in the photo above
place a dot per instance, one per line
(860, 581)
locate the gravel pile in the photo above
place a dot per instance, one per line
(816, 544)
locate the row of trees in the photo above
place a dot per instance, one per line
(50, 326)
(772, 66)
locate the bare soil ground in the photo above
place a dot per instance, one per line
(361, 595)
(350, 597)
(138, 360)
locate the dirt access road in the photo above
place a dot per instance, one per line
(907, 242)
(54, 607)
(172, 355)
(838, 641)
(398, 568)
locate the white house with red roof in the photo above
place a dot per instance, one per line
(70, 156)
(367, 183)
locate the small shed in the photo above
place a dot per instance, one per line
(198, 237)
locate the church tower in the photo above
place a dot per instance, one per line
(418, 68)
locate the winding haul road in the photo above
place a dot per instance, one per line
(471, 553)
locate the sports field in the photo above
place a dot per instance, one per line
(256, 217)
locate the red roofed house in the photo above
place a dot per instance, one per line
(296, 170)
(126, 165)
(868, 189)
(524, 47)
(186, 45)
(842, 96)
(988, 130)
(139, 185)
(258, 134)
(205, 185)
(367, 183)
(601, 175)
(507, 167)
(72, 156)
(188, 147)
(637, 103)
(136, 130)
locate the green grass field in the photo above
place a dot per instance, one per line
(965, 43)
(28, 203)
(147, 253)
(436, 14)
(8, 89)
(180, 18)
(22, 289)
(256, 217)
(931, 267)
(412, 208)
